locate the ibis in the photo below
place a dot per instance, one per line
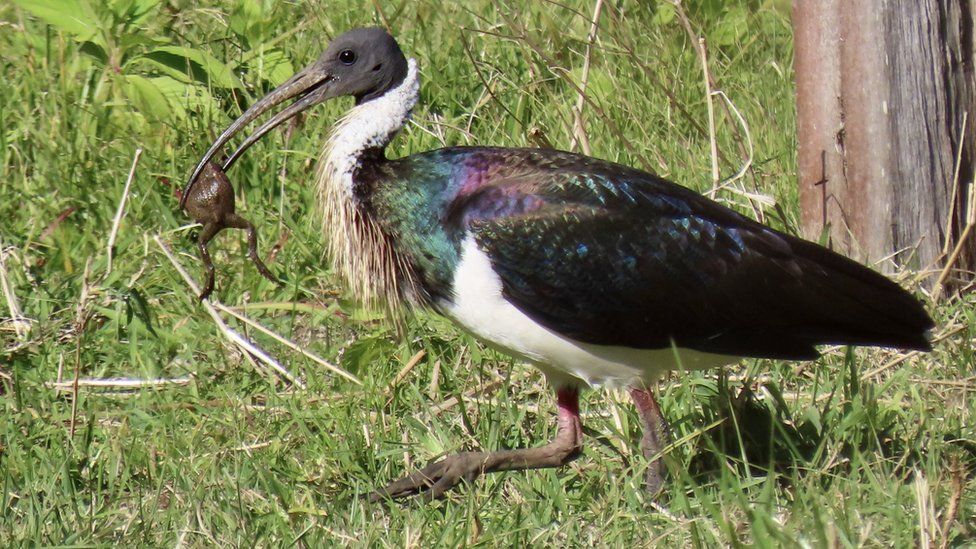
(596, 273)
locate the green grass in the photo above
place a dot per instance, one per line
(772, 454)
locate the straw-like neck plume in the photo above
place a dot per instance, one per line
(365, 260)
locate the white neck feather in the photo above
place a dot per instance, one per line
(371, 124)
(358, 250)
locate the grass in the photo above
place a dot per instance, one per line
(860, 448)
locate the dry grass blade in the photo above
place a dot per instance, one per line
(967, 231)
(661, 510)
(712, 142)
(226, 330)
(288, 343)
(702, 52)
(402, 374)
(118, 383)
(966, 385)
(435, 380)
(20, 323)
(753, 197)
(579, 128)
(927, 525)
(955, 498)
(81, 319)
(121, 210)
(248, 448)
(407, 462)
(289, 306)
(955, 185)
(482, 389)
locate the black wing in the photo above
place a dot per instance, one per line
(614, 256)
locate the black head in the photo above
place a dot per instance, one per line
(364, 63)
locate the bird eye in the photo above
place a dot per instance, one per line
(347, 57)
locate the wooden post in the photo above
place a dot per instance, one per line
(883, 90)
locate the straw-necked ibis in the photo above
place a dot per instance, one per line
(595, 272)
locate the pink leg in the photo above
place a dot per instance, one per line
(656, 434)
(437, 478)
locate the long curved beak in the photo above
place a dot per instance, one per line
(310, 86)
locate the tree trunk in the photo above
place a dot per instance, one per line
(884, 89)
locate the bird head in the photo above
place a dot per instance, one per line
(363, 63)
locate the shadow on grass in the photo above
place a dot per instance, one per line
(754, 435)
(758, 436)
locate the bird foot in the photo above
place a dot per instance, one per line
(436, 479)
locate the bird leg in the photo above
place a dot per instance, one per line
(206, 235)
(237, 222)
(434, 480)
(657, 433)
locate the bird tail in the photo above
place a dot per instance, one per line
(858, 306)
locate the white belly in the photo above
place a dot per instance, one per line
(480, 308)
